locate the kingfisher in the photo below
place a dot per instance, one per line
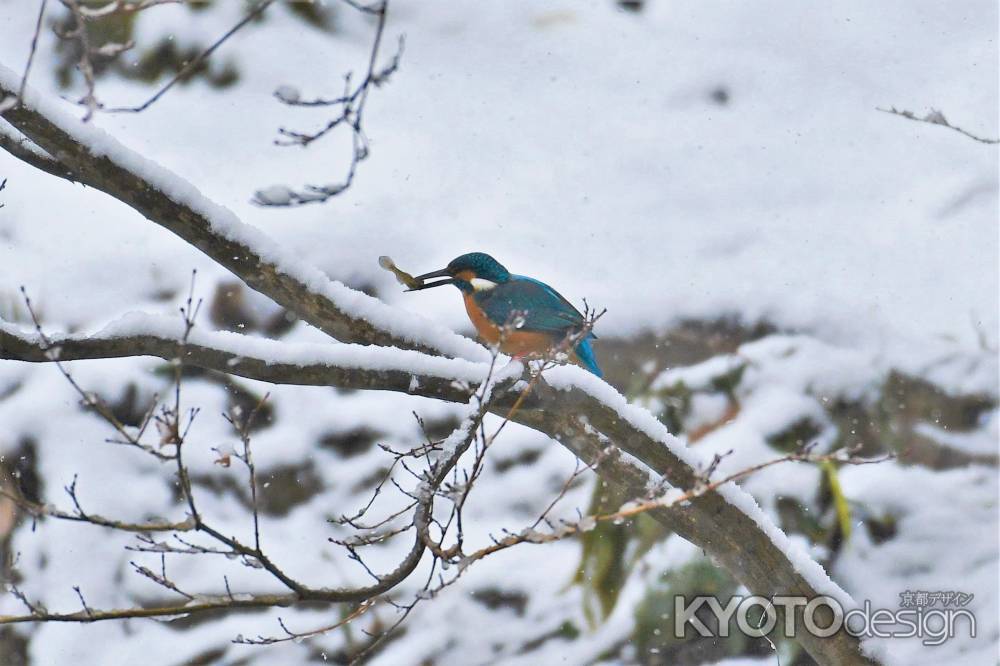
(524, 316)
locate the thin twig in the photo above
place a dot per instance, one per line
(297, 636)
(634, 508)
(31, 53)
(125, 7)
(935, 117)
(194, 62)
(53, 352)
(84, 64)
(351, 114)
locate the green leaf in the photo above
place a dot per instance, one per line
(842, 508)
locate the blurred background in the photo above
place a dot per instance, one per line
(781, 264)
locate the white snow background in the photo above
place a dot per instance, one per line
(581, 145)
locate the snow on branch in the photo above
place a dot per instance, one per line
(175, 204)
(439, 481)
(23, 149)
(164, 537)
(344, 366)
(625, 444)
(445, 479)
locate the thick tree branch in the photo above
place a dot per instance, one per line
(575, 408)
(343, 366)
(725, 522)
(176, 205)
(146, 336)
(23, 149)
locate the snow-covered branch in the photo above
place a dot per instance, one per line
(344, 366)
(624, 443)
(177, 205)
(23, 149)
(579, 411)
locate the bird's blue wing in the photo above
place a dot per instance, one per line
(585, 353)
(543, 308)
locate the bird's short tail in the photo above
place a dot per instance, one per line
(585, 354)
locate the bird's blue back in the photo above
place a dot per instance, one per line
(543, 309)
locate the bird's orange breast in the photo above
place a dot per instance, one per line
(487, 330)
(515, 343)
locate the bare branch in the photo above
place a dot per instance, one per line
(84, 64)
(34, 47)
(192, 64)
(160, 579)
(242, 427)
(351, 105)
(935, 117)
(200, 605)
(42, 510)
(670, 499)
(83, 602)
(301, 635)
(88, 398)
(82, 14)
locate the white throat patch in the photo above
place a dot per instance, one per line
(480, 284)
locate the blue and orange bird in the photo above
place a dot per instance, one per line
(495, 298)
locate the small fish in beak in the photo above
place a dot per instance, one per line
(402, 277)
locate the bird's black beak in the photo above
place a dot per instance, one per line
(433, 274)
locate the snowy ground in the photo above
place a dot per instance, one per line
(584, 146)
